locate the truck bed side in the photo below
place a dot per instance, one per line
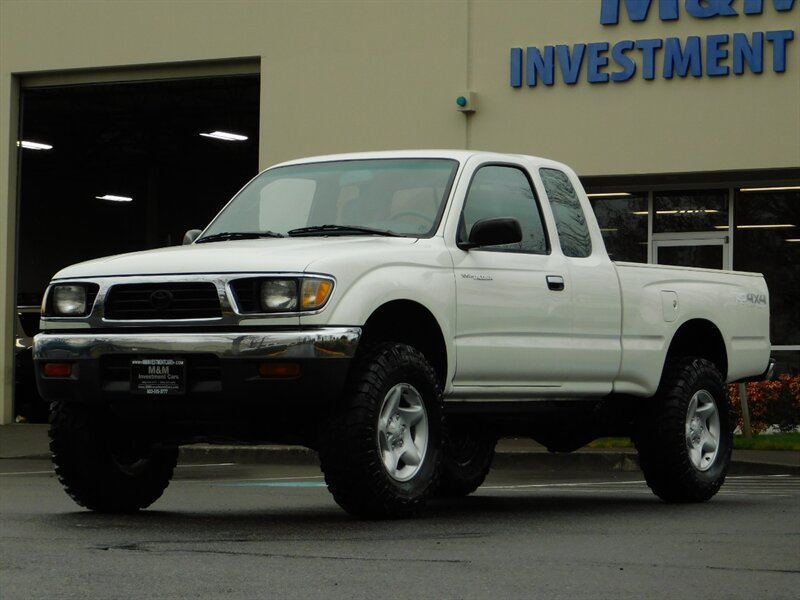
(719, 314)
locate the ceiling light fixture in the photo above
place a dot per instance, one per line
(28, 145)
(114, 198)
(680, 211)
(787, 188)
(224, 135)
(610, 195)
(768, 226)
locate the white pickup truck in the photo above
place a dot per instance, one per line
(398, 312)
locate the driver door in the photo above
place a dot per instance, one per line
(514, 314)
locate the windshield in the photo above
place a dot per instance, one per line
(402, 197)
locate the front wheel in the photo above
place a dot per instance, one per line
(104, 469)
(380, 454)
(685, 437)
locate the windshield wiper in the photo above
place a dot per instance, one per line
(340, 230)
(238, 235)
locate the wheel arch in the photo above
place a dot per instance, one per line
(700, 338)
(411, 323)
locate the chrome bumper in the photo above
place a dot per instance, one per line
(328, 342)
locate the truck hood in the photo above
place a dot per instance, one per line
(240, 256)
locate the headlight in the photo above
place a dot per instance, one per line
(279, 295)
(69, 300)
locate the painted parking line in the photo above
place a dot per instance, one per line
(273, 484)
(276, 482)
(777, 486)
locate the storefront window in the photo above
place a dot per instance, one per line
(623, 223)
(767, 240)
(690, 211)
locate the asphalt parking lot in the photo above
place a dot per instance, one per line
(233, 530)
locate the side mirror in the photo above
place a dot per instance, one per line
(493, 232)
(190, 236)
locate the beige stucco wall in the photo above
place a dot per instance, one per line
(358, 75)
(727, 123)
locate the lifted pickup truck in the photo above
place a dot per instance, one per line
(398, 312)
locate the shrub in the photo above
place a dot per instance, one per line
(770, 403)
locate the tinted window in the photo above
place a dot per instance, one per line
(498, 191)
(690, 211)
(573, 233)
(767, 240)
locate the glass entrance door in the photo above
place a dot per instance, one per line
(692, 229)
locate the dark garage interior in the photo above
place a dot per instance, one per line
(112, 168)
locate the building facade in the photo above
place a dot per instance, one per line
(681, 116)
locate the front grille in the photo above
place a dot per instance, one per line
(247, 292)
(166, 301)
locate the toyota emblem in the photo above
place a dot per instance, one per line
(161, 299)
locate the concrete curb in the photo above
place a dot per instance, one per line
(31, 442)
(622, 460)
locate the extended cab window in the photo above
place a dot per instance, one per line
(500, 191)
(573, 233)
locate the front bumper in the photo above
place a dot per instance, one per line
(220, 366)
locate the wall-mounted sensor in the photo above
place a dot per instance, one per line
(466, 102)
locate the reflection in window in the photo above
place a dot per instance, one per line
(623, 223)
(703, 256)
(767, 240)
(498, 191)
(573, 233)
(705, 210)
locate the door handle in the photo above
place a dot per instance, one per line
(555, 283)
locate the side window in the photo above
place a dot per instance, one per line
(498, 191)
(573, 233)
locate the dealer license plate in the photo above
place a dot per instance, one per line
(158, 376)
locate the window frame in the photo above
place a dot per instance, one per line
(461, 228)
(588, 236)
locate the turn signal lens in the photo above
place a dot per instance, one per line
(315, 293)
(279, 369)
(57, 370)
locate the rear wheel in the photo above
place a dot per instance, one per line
(104, 469)
(466, 459)
(380, 454)
(685, 437)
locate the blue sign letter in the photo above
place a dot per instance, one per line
(537, 65)
(637, 10)
(705, 9)
(744, 52)
(714, 54)
(570, 66)
(516, 67)
(680, 61)
(627, 64)
(648, 48)
(756, 7)
(779, 39)
(597, 60)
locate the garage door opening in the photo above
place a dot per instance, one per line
(113, 168)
